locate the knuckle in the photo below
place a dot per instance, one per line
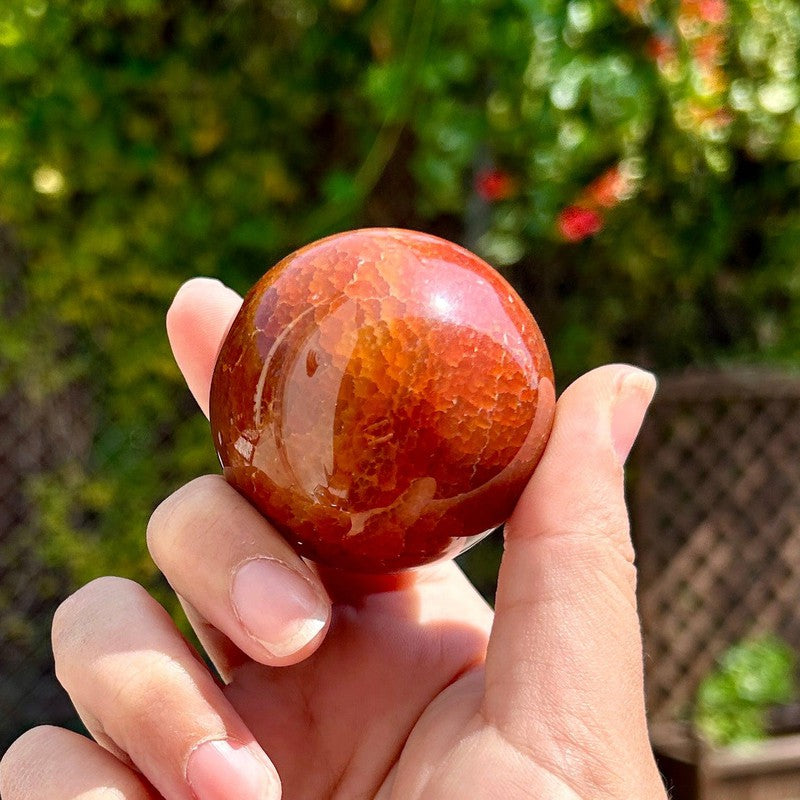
(18, 766)
(585, 552)
(73, 609)
(80, 618)
(607, 551)
(179, 512)
(154, 704)
(136, 693)
(603, 520)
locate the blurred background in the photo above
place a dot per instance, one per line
(632, 167)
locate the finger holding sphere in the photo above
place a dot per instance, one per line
(238, 573)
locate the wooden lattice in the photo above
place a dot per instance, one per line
(716, 519)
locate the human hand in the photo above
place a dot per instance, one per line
(404, 687)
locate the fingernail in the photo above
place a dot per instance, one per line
(635, 390)
(223, 768)
(277, 606)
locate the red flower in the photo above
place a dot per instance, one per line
(661, 49)
(494, 184)
(609, 188)
(708, 49)
(713, 11)
(576, 223)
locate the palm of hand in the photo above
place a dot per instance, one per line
(392, 704)
(399, 663)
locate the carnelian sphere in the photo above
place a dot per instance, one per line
(382, 397)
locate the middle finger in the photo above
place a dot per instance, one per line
(234, 570)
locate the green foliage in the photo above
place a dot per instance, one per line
(144, 142)
(140, 144)
(694, 105)
(751, 676)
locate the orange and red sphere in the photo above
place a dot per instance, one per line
(382, 397)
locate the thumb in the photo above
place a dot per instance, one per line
(565, 656)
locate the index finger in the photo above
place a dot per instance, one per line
(197, 322)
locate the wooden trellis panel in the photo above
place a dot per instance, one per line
(716, 519)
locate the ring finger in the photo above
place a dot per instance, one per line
(146, 697)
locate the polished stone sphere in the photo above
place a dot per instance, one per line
(382, 397)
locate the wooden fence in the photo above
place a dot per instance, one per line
(715, 505)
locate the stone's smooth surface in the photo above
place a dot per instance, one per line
(382, 397)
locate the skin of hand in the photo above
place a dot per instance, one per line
(337, 687)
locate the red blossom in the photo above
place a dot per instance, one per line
(661, 49)
(609, 188)
(713, 11)
(494, 185)
(708, 49)
(576, 223)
